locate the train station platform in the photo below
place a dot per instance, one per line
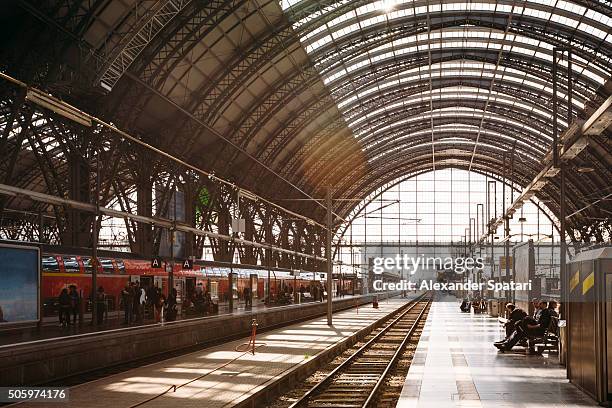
(51, 328)
(456, 365)
(222, 376)
(54, 359)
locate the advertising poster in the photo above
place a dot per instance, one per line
(19, 274)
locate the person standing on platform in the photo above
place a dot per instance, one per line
(64, 308)
(171, 306)
(127, 302)
(136, 306)
(101, 305)
(142, 302)
(247, 297)
(158, 304)
(74, 303)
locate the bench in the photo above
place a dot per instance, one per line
(549, 341)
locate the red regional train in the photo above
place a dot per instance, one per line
(61, 270)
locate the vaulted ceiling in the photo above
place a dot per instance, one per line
(289, 98)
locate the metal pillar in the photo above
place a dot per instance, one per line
(328, 204)
(94, 246)
(144, 204)
(230, 276)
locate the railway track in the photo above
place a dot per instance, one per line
(360, 379)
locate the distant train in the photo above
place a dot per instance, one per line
(59, 271)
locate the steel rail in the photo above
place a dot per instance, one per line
(317, 388)
(395, 357)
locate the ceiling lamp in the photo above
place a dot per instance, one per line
(58, 106)
(585, 169)
(522, 219)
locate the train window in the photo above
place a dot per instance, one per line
(71, 264)
(89, 269)
(107, 266)
(120, 266)
(50, 264)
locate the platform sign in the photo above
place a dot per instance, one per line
(156, 263)
(188, 264)
(19, 284)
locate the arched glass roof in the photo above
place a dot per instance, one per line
(473, 76)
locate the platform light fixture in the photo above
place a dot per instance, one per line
(248, 194)
(522, 219)
(585, 169)
(58, 106)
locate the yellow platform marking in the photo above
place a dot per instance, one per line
(588, 283)
(574, 281)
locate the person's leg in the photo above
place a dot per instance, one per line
(514, 338)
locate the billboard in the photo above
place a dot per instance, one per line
(19, 284)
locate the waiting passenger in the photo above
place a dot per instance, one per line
(171, 308)
(100, 304)
(515, 315)
(64, 308)
(143, 301)
(536, 308)
(127, 300)
(158, 304)
(75, 301)
(529, 328)
(552, 305)
(465, 306)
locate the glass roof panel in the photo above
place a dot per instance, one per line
(373, 71)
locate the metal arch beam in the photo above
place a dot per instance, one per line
(527, 94)
(389, 66)
(167, 49)
(146, 26)
(349, 151)
(330, 9)
(209, 98)
(412, 141)
(351, 178)
(394, 71)
(557, 35)
(412, 110)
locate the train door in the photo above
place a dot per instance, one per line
(190, 287)
(214, 289)
(145, 281)
(179, 285)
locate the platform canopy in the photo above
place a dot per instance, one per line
(287, 98)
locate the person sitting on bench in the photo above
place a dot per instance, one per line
(515, 315)
(465, 305)
(528, 327)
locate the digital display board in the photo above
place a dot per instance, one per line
(19, 284)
